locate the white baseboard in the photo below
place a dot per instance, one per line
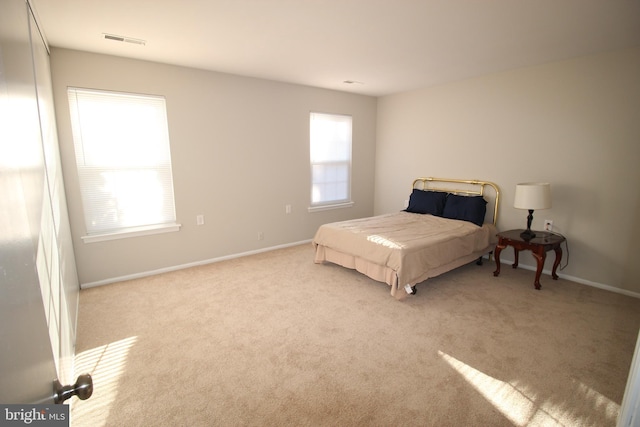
(577, 280)
(272, 248)
(183, 266)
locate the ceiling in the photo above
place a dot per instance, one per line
(382, 46)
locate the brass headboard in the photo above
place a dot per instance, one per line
(462, 186)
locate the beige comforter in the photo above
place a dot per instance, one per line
(407, 244)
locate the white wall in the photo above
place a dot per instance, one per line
(240, 153)
(575, 124)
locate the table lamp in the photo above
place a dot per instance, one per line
(532, 196)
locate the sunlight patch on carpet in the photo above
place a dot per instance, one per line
(106, 364)
(520, 405)
(514, 404)
(596, 400)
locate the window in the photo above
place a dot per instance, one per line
(122, 151)
(330, 149)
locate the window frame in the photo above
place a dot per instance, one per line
(334, 203)
(119, 231)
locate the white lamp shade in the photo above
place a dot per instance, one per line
(533, 195)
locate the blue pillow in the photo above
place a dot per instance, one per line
(427, 202)
(466, 208)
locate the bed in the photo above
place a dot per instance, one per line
(447, 223)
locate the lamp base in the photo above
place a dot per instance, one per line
(527, 234)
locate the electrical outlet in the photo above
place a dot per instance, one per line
(260, 235)
(287, 209)
(200, 219)
(548, 225)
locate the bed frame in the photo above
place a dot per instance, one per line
(488, 190)
(465, 187)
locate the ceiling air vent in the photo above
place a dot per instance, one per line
(124, 39)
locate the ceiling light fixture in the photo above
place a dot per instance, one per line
(124, 39)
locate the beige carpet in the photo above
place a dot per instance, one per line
(274, 339)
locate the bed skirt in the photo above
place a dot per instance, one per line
(385, 274)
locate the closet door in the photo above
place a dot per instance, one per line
(26, 359)
(56, 266)
(38, 283)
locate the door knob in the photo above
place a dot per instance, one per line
(83, 388)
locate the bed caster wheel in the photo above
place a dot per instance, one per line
(411, 290)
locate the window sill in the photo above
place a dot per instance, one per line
(132, 232)
(329, 207)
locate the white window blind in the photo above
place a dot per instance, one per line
(123, 156)
(330, 149)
